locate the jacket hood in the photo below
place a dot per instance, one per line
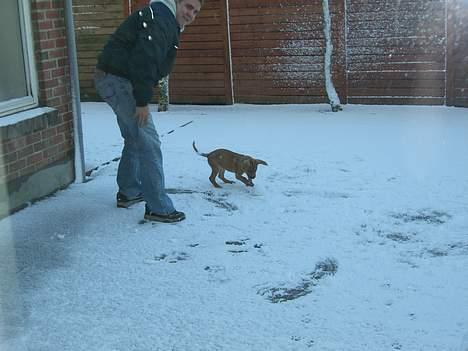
(171, 5)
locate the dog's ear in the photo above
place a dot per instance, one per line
(261, 162)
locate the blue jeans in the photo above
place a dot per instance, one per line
(141, 165)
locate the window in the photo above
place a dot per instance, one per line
(18, 82)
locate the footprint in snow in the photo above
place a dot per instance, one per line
(173, 257)
(216, 274)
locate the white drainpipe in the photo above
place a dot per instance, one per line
(80, 176)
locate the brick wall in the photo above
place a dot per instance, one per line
(34, 144)
(54, 72)
(45, 140)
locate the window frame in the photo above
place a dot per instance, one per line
(11, 106)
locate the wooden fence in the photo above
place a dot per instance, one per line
(202, 73)
(94, 20)
(396, 52)
(457, 53)
(272, 51)
(277, 50)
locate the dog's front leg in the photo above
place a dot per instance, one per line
(244, 180)
(221, 176)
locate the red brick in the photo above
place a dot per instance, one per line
(63, 108)
(61, 43)
(53, 102)
(3, 147)
(47, 44)
(53, 14)
(50, 83)
(49, 64)
(16, 166)
(63, 81)
(48, 133)
(25, 151)
(14, 145)
(66, 99)
(60, 71)
(43, 35)
(60, 90)
(45, 25)
(68, 116)
(42, 99)
(50, 151)
(56, 33)
(59, 23)
(37, 16)
(33, 138)
(65, 127)
(35, 158)
(57, 53)
(45, 75)
(48, 94)
(42, 4)
(11, 157)
(43, 55)
(58, 122)
(57, 139)
(40, 146)
(63, 62)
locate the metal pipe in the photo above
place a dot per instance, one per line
(79, 163)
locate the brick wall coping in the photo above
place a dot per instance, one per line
(27, 122)
(25, 115)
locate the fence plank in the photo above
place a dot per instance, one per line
(393, 48)
(457, 54)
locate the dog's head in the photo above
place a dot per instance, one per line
(250, 166)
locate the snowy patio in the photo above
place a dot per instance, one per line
(355, 237)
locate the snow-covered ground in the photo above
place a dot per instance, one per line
(355, 237)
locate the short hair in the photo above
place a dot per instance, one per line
(201, 1)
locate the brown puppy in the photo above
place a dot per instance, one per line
(221, 160)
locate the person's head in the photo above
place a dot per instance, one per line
(187, 10)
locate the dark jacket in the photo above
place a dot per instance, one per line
(142, 49)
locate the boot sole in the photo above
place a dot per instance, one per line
(164, 219)
(127, 204)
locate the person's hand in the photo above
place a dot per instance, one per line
(142, 114)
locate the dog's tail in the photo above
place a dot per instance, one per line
(198, 152)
